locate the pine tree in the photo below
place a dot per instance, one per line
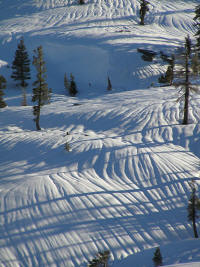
(109, 87)
(41, 93)
(2, 86)
(192, 208)
(197, 26)
(143, 10)
(21, 65)
(157, 258)
(186, 79)
(72, 88)
(184, 74)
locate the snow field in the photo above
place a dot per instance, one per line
(125, 184)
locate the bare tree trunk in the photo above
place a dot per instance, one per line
(194, 217)
(24, 98)
(195, 228)
(141, 19)
(37, 122)
(37, 117)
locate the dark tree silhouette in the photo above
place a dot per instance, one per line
(21, 65)
(157, 258)
(81, 2)
(184, 75)
(192, 208)
(109, 86)
(2, 86)
(143, 10)
(72, 87)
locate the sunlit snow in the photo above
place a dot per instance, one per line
(124, 185)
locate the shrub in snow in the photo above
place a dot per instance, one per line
(147, 55)
(101, 259)
(157, 258)
(167, 78)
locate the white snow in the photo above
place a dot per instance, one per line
(124, 186)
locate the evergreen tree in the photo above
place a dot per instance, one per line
(184, 74)
(187, 76)
(186, 82)
(157, 258)
(143, 10)
(41, 93)
(20, 65)
(72, 88)
(197, 25)
(2, 86)
(109, 87)
(193, 204)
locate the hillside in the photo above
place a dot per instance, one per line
(124, 186)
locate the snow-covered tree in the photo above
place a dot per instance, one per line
(21, 65)
(2, 86)
(41, 92)
(143, 10)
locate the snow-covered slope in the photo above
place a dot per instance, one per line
(124, 185)
(98, 35)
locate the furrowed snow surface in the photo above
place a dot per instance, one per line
(124, 186)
